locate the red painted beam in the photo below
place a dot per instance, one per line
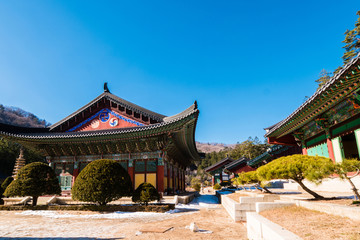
(288, 140)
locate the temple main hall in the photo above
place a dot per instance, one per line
(152, 147)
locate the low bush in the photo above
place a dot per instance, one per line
(217, 186)
(145, 193)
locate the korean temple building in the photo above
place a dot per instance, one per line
(328, 123)
(272, 153)
(228, 168)
(152, 147)
(217, 170)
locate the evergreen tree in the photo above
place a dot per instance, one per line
(298, 168)
(352, 41)
(9, 151)
(101, 182)
(344, 168)
(324, 77)
(250, 149)
(35, 179)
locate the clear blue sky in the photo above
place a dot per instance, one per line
(249, 64)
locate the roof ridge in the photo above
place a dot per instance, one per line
(93, 133)
(317, 93)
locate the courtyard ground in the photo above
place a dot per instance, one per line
(211, 218)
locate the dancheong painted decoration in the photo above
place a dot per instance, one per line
(152, 147)
(328, 123)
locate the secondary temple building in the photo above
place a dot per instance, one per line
(328, 123)
(152, 147)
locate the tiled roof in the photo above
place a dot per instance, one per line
(219, 164)
(236, 163)
(309, 101)
(31, 133)
(117, 100)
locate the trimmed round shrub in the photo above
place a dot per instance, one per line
(34, 179)
(217, 186)
(145, 193)
(101, 182)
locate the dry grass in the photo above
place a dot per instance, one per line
(309, 224)
(235, 196)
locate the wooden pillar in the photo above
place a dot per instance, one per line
(303, 147)
(330, 149)
(75, 171)
(177, 178)
(180, 179)
(173, 178)
(160, 175)
(212, 180)
(168, 175)
(183, 176)
(329, 145)
(131, 171)
(304, 151)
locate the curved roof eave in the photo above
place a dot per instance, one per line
(76, 135)
(332, 80)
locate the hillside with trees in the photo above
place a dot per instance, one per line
(9, 151)
(17, 116)
(250, 149)
(213, 147)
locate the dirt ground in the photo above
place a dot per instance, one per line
(215, 219)
(314, 225)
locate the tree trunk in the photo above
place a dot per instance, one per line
(267, 190)
(34, 200)
(314, 194)
(353, 187)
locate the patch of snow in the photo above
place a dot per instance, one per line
(203, 201)
(174, 211)
(114, 215)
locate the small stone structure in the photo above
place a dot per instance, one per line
(238, 210)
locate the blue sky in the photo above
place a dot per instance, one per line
(249, 64)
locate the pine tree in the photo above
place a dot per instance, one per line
(352, 41)
(324, 77)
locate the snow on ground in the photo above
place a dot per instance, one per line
(59, 225)
(203, 201)
(114, 215)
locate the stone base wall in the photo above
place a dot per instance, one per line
(260, 228)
